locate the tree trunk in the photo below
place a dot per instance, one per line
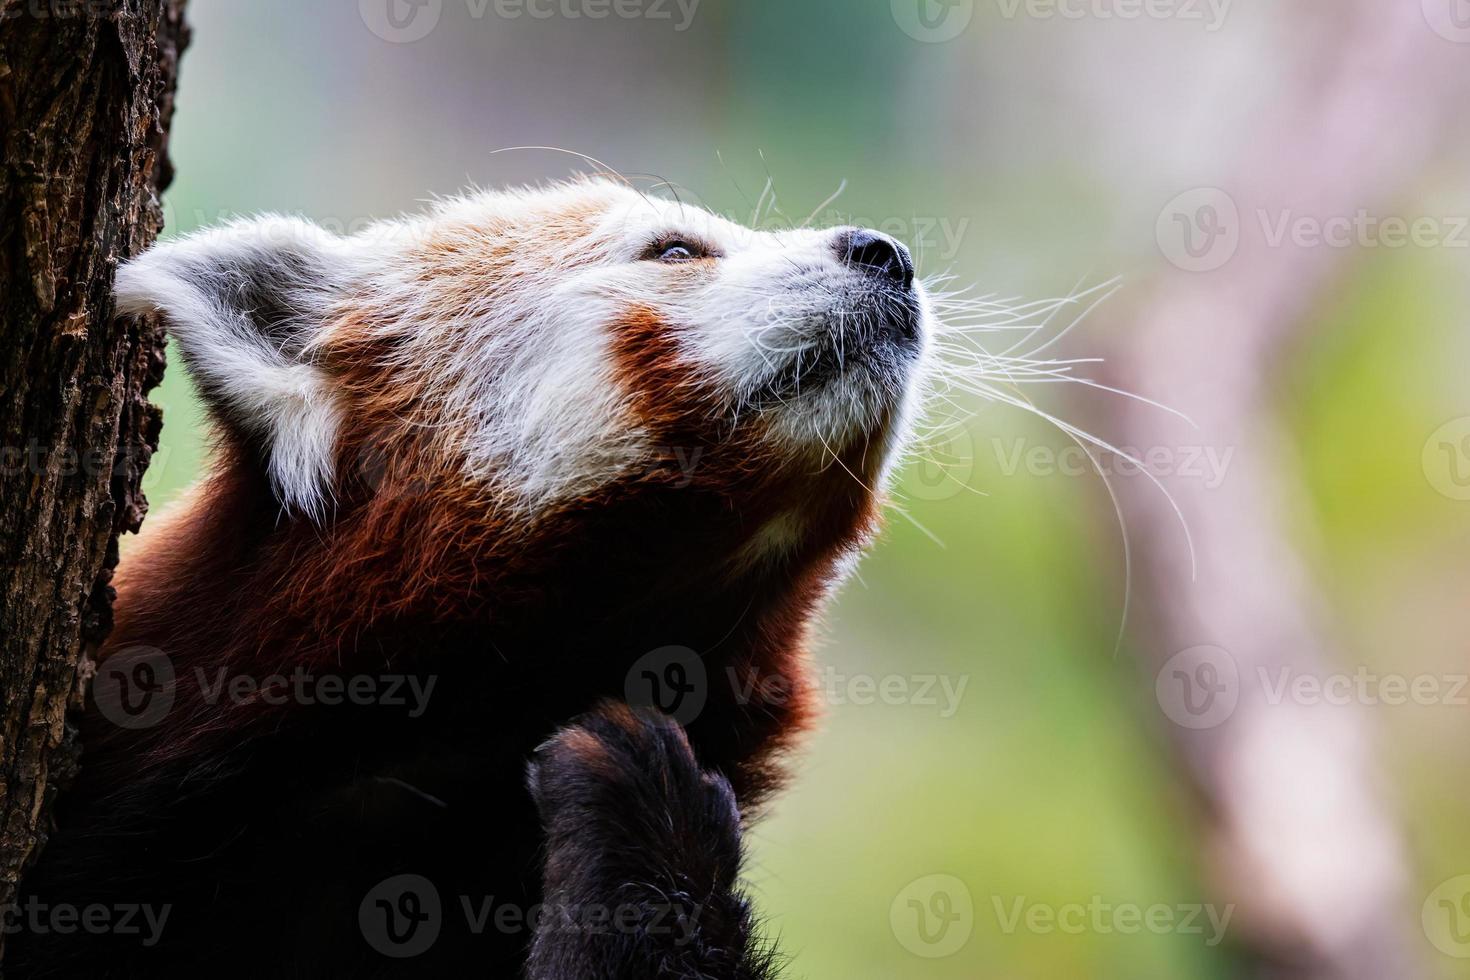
(86, 94)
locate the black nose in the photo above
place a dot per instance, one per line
(876, 254)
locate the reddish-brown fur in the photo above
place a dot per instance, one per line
(414, 542)
(530, 618)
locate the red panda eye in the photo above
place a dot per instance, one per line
(676, 252)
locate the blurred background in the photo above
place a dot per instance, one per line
(1267, 772)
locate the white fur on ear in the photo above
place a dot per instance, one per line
(244, 302)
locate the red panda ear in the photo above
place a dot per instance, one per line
(245, 301)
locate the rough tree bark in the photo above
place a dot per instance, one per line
(86, 94)
(1299, 832)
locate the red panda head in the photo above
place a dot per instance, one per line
(508, 359)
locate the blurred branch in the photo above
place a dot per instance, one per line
(1300, 836)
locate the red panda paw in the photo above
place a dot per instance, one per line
(619, 773)
(645, 843)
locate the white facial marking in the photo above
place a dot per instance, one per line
(499, 313)
(774, 296)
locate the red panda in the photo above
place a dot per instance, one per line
(500, 452)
